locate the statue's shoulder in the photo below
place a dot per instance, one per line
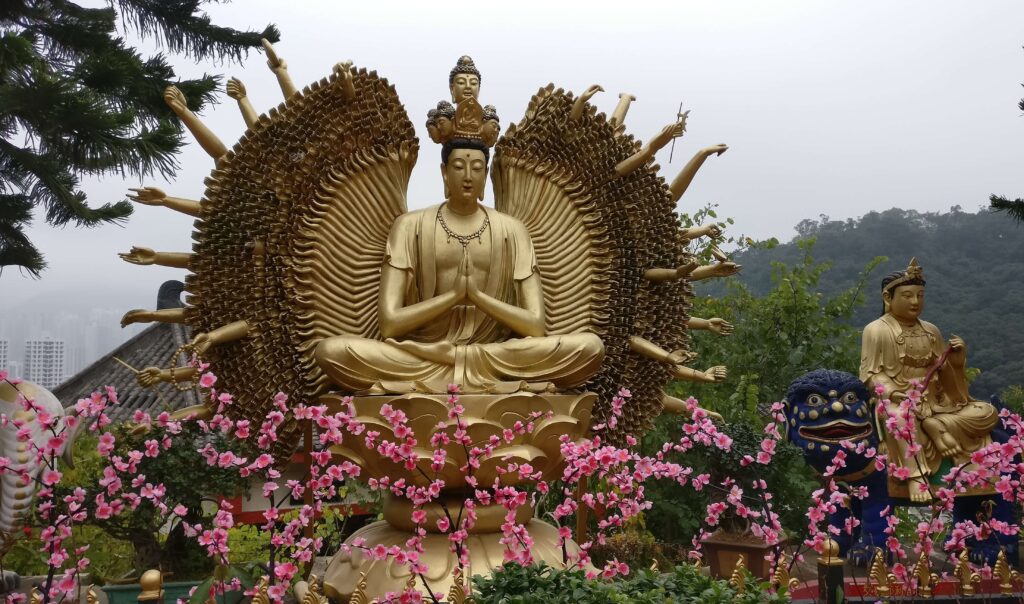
(509, 222)
(931, 328)
(410, 219)
(878, 327)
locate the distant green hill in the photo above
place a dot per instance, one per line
(974, 265)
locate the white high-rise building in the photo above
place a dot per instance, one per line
(5, 355)
(44, 362)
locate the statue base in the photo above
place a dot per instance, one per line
(486, 417)
(486, 553)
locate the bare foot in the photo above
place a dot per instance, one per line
(948, 446)
(918, 490)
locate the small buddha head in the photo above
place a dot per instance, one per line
(903, 293)
(464, 169)
(464, 80)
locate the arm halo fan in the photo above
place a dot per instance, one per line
(292, 233)
(595, 233)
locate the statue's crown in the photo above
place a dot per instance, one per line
(466, 119)
(914, 271)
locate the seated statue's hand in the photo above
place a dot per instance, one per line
(463, 283)
(957, 344)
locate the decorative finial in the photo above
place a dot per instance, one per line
(457, 592)
(151, 583)
(654, 565)
(964, 575)
(1002, 571)
(738, 580)
(314, 595)
(878, 573)
(91, 596)
(36, 597)
(781, 581)
(262, 586)
(830, 553)
(359, 595)
(926, 579)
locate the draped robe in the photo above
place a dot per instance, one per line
(464, 345)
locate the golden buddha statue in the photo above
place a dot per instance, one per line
(899, 348)
(460, 297)
(309, 276)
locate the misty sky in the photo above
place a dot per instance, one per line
(836, 108)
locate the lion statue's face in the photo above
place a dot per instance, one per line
(825, 408)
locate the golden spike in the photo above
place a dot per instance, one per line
(457, 592)
(359, 595)
(261, 596)
(1007, 576)
(738, 580)
(925, 577)
(781, 581)
(877, 573)
(313, 594)
(964, 575)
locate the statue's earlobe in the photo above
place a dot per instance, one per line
(444, 179)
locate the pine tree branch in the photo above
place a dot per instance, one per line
(1013, 207)
(176, 24)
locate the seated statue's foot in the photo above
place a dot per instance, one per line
(918, 490)
(948, 446)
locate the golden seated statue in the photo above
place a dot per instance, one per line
(900, 349)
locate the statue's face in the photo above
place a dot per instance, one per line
(906, 302)
(465, 175)
(464, 86)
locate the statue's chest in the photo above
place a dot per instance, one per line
(450, 254)
(916, 347)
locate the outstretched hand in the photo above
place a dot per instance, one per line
(150, 196)
(139, 255)
(715, 149)
(720, 326)
(717, 374)
(673, 130)
(175, 99)
(725, 269)
(137, 315)
(149, 377)
(236, 89)
(274, 62)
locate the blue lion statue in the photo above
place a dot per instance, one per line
(826, 407)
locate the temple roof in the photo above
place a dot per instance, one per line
(151, 347)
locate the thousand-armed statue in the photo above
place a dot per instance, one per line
(309, 276)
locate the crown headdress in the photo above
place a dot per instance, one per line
(466, 119)
(914, 271)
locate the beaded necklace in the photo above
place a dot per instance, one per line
(463, 239)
